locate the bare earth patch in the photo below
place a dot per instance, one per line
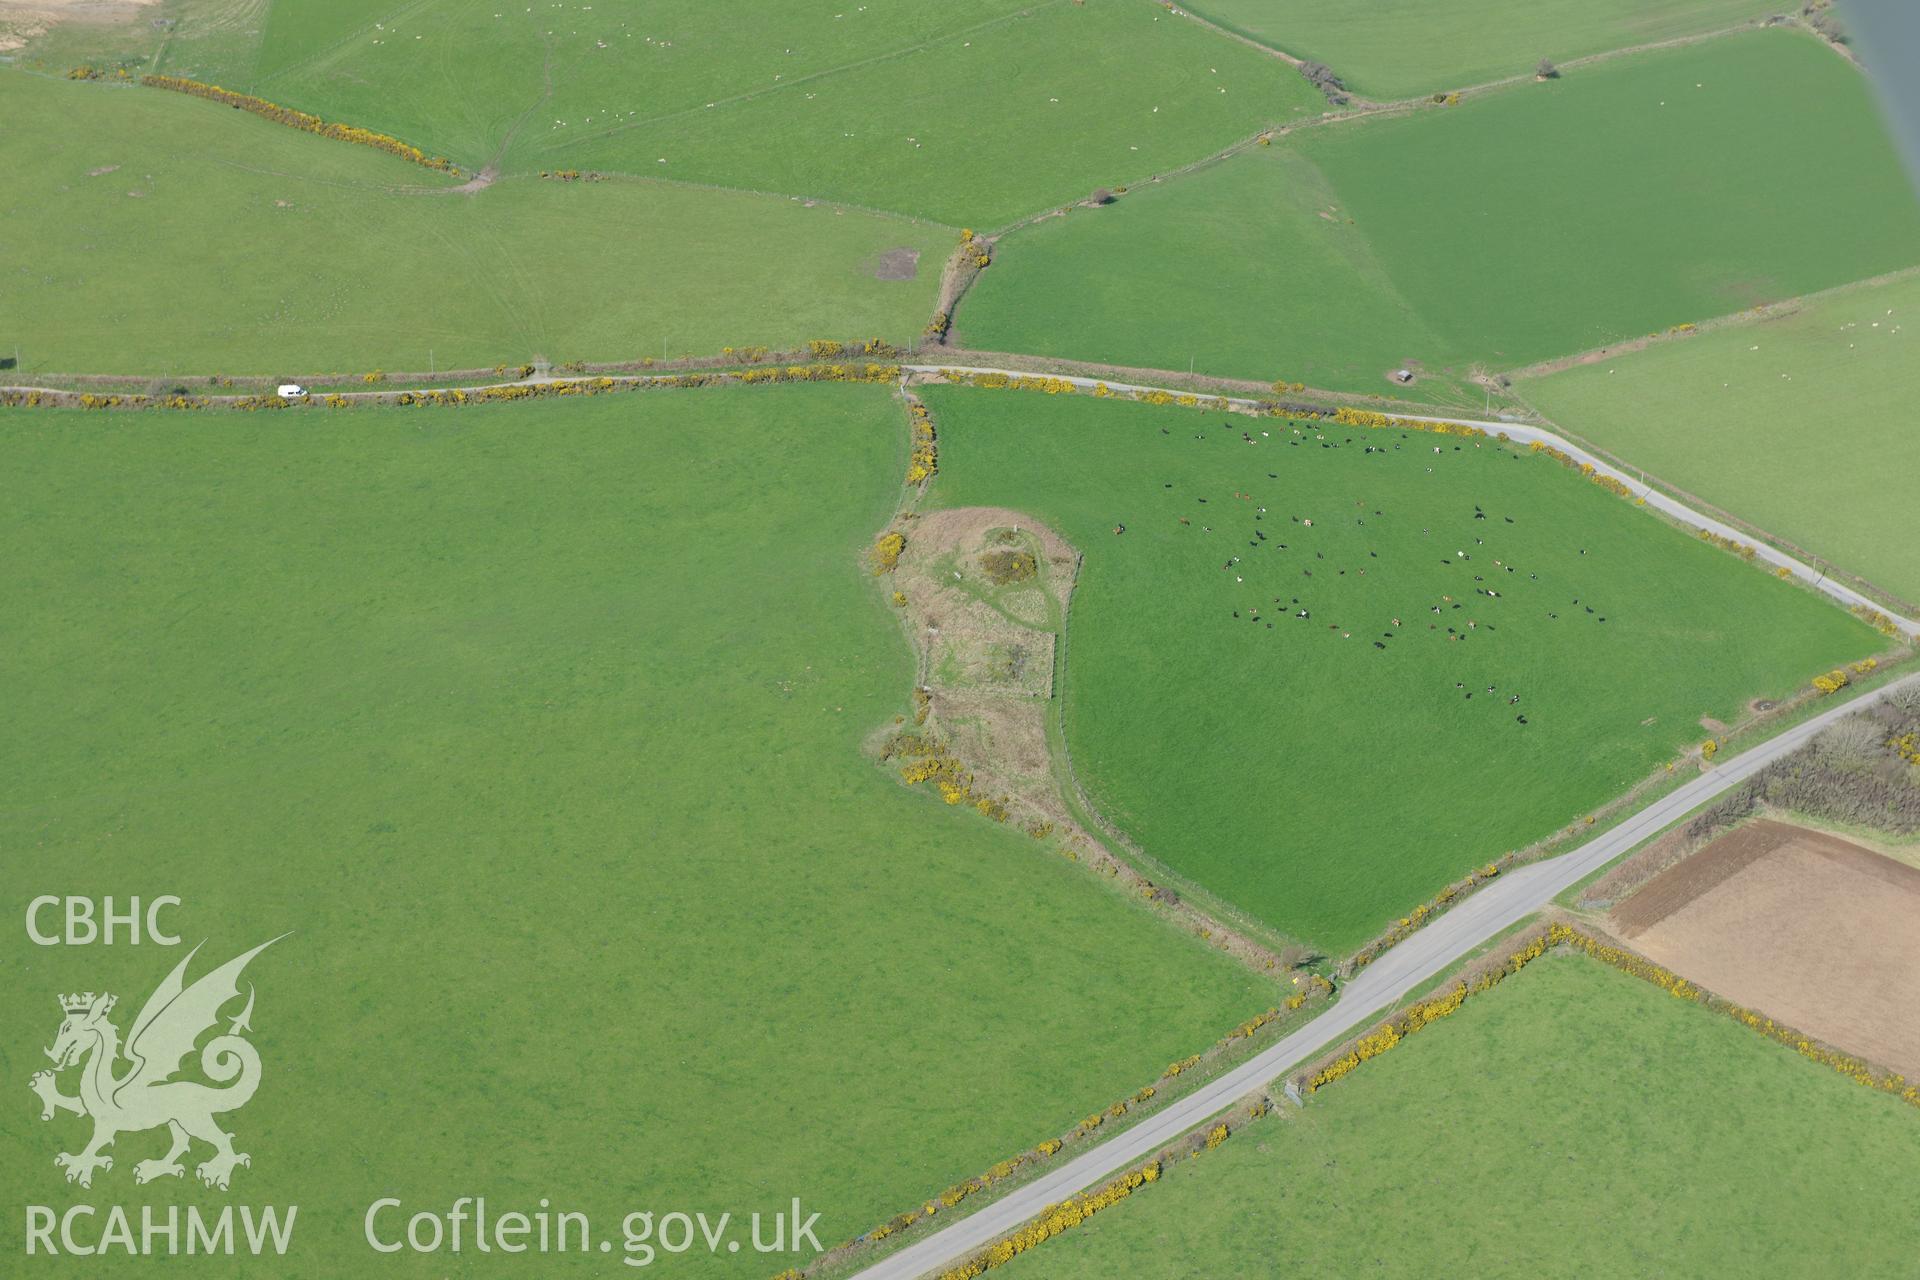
(988, 669)
(897, 264)
(1806, 927)
(23, 20)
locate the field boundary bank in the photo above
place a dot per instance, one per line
(1231, 32)
(301, 120)
(1759, 314)
(1360, 107)
(743, 358)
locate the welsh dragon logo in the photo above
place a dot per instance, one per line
(145, 1095)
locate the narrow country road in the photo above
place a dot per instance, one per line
(1507, 900)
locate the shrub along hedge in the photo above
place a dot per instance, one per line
(300, 120)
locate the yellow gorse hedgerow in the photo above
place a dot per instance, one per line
(1673, 984)
(924, 458)
(1368, 418)
(1612, 485)
(928, 760)
(1407, 924)
(886, 551)
(299, 119)
(1058, 1218)
(1632, 963)
(1021, 382)
(1877, 620)
(1424, 1014)
(1739, 548)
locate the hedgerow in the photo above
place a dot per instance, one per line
(1368, 418)
(1612, 485)
(1558, 933)
(924, 459)
(1405, 926)
(1877, 620)
(299, 120)
(1424, 1014)
(1059, 1218)
(886, 551)
(1830, 780)
(1631, 962)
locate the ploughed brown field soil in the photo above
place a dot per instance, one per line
(1806, 927)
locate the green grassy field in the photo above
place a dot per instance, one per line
(1529, 223)
(1574, 1119)
(1795, 422)
(174, 236)
(1388, 49)
(929, 110)
(1327, 773)
(541, 726)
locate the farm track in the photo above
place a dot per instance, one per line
(1380, 986)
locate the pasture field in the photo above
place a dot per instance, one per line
(971, 111)
(1399, 48)
(174, 236)
(541, 725)
(1326, 773)
(1575, 1114)
(1782, 421)
(1517, 226)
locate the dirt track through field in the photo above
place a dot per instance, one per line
(1804, 926)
